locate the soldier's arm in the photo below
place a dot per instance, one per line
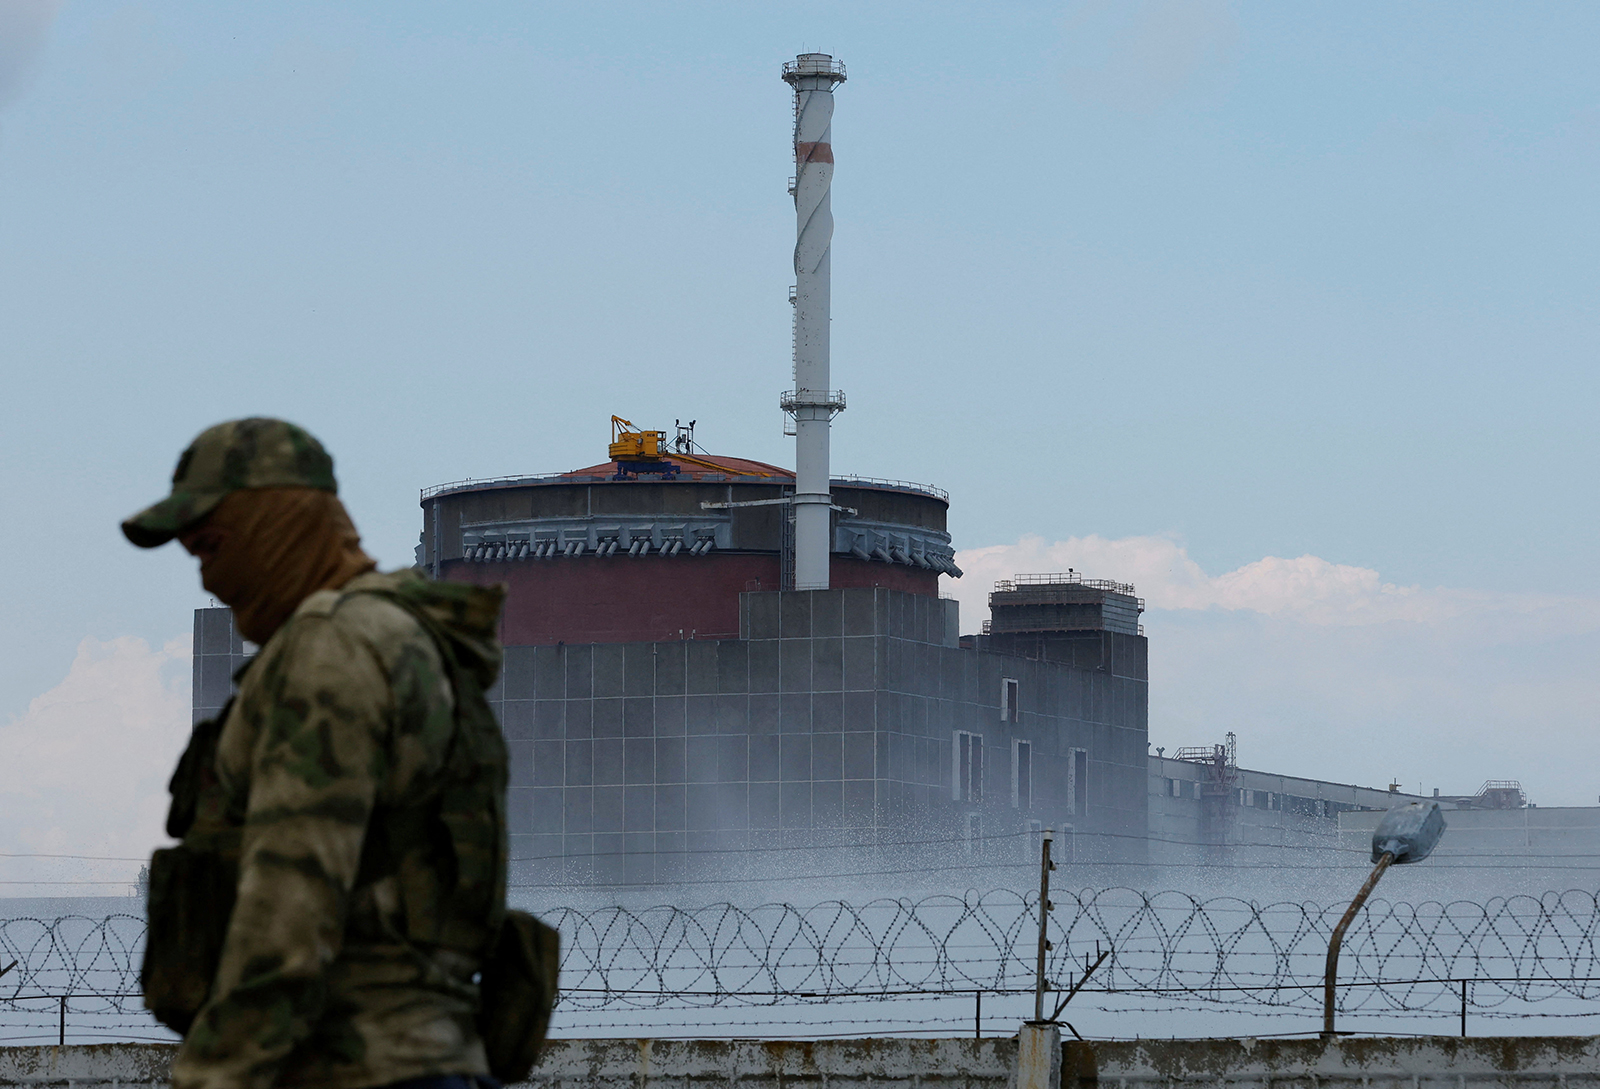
(314, 774)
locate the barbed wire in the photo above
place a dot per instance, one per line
(1171, 947)
(1211, 952)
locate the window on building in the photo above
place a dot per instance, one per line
(1022, 774)
(974, 832)
(967, 781)
(1033, 840)
(1009, 709)
(1078, 796)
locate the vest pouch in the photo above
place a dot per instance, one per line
(191, 899)
(517, 994)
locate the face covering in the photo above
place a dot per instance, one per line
(280, 546)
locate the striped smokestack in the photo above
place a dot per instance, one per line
(812, 402)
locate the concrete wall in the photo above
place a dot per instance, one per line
(1533, 837)
(218, 654)
(1371, 1063)
(1190, 820)
(621, 598)
(618, 599)
(832, 720)
(90, 1066)
(1429, 1062)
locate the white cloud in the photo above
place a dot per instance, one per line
(84, 770)
(1326, 669)
(1307, 588)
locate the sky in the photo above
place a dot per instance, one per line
(1285, 313)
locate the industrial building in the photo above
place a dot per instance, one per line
(641, 550)
(849, 716)
(1505, 840)
(702, 710)
(710, 655)
(1207, 810)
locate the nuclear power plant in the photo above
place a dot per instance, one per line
(709, 655)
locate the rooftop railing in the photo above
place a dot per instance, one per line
(540, 478)
(904, 485)
(547, 478)
(1060, 578)
(487, 481)
(814, 64)
(1048, 629)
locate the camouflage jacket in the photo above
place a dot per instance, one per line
(372, 846)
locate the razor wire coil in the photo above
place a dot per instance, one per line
(1172, 948)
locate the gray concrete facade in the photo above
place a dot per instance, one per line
(1428, 1062)
(848, 716)
(851, 717)
(1199, 816)
(1530, 837)
(218, 653)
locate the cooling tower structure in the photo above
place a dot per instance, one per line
(813, 402)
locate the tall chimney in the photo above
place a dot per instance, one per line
(812, 402)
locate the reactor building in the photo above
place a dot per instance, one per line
(668, 701)
(709, 656)
(710, 660)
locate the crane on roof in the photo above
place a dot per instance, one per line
(639, 450)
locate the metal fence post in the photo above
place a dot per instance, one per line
(61, 1039)
(1045, 866)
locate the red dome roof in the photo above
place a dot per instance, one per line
(690, 471)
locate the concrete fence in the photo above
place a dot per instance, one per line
(1372, 1063)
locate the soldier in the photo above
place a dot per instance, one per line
(340, 883)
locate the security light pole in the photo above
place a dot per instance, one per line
(1407, 833)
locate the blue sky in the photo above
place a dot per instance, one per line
(1254, 280)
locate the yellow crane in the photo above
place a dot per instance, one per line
(639, 449)
(630, 442)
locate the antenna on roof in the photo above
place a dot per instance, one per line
(684, 443)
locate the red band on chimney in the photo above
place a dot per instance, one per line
(818, 152)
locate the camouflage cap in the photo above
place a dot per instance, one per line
(232, 456)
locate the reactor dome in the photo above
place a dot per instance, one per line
(658, 544)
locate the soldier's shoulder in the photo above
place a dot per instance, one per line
(362, 612)
(367, 608)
